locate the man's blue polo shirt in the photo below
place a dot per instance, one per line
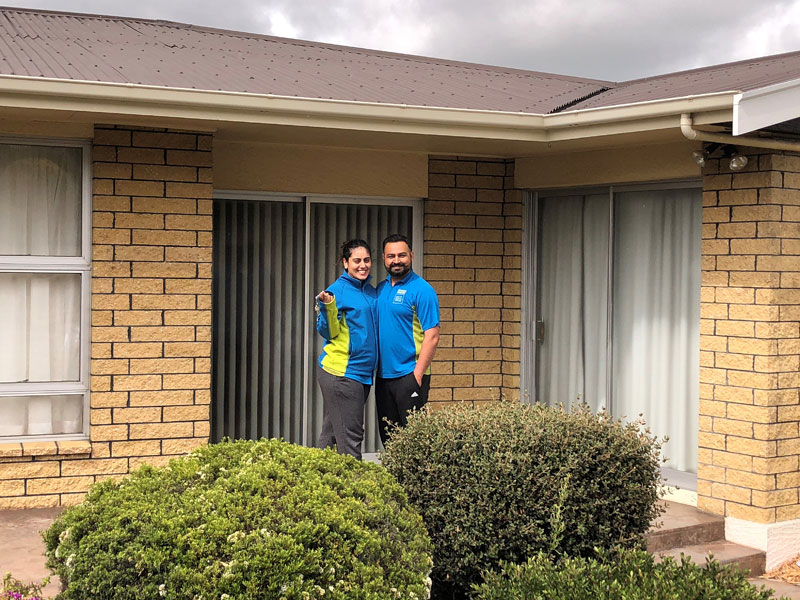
(405, 311)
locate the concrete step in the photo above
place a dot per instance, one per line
(724, 552)
(683, 525)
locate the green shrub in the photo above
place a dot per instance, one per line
(486, 482)
(628, 575)
(244, 520)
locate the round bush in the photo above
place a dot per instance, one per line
(508, 480)
(628, 575)
(244, 520)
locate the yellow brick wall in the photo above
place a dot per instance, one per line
(749, 439)
(151, 317)
(473, 235)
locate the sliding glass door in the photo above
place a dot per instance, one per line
(271, 256)
(619, 307)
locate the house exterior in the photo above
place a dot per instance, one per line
(171, 197)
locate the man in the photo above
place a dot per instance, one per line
(408, 333)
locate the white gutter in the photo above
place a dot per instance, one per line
(766, 106)
(742, 140)
(95, 99)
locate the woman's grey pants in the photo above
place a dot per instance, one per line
(342, 413)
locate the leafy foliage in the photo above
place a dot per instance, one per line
(244, 520)
(627, 575)
(486, 482)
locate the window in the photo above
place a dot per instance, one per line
(44, 289)
(618, 306)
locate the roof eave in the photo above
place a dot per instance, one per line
(219, 107)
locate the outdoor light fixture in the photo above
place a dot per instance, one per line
(737, 161)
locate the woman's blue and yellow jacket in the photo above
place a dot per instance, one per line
(348, 323)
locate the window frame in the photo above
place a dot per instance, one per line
(80, 265)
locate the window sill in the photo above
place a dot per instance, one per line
(60, 448)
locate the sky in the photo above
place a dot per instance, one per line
(614, 40)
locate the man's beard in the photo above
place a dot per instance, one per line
(402, 272)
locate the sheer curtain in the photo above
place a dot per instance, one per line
(657, 316)
(655, 300)
(574, 300)
(40, 200)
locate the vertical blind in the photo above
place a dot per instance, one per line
(264, 343)
(331, 225)
(653, 289)
(257, 320)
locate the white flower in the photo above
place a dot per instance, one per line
(235, 537)
(64, 535)
(162, 590)
(70, 558)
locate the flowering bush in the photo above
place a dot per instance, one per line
(244, 519)
(14, 589)
(509, 480)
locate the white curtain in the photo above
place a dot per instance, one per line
(574, 300)
(655, 309)
(40, 200)
(656, 338)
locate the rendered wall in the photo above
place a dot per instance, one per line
(602, 167)
(308, 170)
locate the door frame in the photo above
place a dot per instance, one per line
(416, 204)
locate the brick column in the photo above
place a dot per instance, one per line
(151, 297)
(472, 248)
(749, 439)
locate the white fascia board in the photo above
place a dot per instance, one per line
(766, 106)
(214, 107)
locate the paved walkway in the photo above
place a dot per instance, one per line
(22, 550)
(21, 545)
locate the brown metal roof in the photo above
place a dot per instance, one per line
(160, 53)
(174, 55)
(738, 76)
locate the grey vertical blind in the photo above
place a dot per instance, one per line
(257, 320)
(332, 225)
(263, 380)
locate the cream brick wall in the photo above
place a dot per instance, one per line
(151, 318)
(473, 234)
(749, 440)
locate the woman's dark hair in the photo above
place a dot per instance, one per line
(348, 247)
(396, 237)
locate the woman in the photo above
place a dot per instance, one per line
(346, 319)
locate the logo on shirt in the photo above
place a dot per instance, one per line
(398, 298)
